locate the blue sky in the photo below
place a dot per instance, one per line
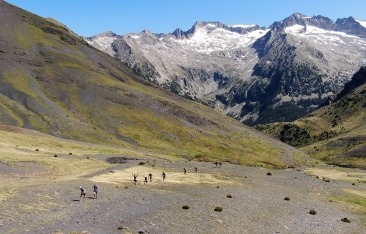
(90, 17)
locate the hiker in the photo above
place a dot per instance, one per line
(83, 193)
(95, 191)
(185, 171)
(195, 169)
(145, 181)
(216, 164)
(163, 175)
(135, 179)
(150, 177)
(220, 164)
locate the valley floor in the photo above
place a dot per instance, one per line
(51, 204)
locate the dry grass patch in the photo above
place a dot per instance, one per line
(126, 176)
(338, 174)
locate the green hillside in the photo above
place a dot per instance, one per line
(53, 82)
(335, 133)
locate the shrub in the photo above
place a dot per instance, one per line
(70, 153)
(312, 212)
(229, 196)
(287, 199)
(269, 173)
(37, 149)
(218, 209)
(55, 155)
(141, 163)
(346, 220)
(185, 207)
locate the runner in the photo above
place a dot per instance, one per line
(145, 181)
(135, 179)
(95, 191)
(163, 175)
(185, 171)
(195, 169)
(83, 193)
(150, 177)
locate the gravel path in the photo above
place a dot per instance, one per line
(257, 204)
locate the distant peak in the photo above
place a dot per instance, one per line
(301, 19)
(146, 31)
(212, 25)
(297, 14)
(107, 34)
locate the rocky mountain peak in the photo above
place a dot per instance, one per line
(104, 34)
(300, 19)
(351, 26)
(210, 26)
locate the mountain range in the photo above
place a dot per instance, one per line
(53, 82)
(254, 74)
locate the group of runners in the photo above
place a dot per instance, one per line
(147, 178)
(95, 189)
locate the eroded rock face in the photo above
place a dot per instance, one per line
(254, 74)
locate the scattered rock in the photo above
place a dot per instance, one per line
(55, 155)
(312, 212)
(269, 173)
(218, 209)
(185, 207)
(287, 199)
(229, 196)
(346, 220)
(37, 149)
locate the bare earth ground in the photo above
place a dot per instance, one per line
(30, 203)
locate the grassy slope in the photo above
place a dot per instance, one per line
(53, 82)
(337, 131)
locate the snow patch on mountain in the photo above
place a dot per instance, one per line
(325, 37)
(295, 29)
(206, 40)
(362, 22)
(243, 25)
(103, 43)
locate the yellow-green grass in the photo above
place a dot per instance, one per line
(29, 146)
(352, 201)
